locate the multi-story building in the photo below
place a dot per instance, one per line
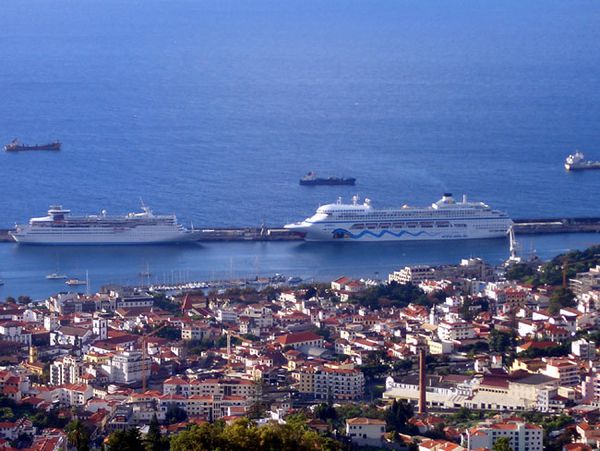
(523, 436)
(455, 330)
(586, 281)
(211, 408)
(343, 382)
(584, 349)
(565, 370)
(412, 274)
(135, 300)
(208, 387)
(66, 370)
(225, 315)
(74, 394)
(100, 327)
(128, 367)
(14, 331)
(197, 331)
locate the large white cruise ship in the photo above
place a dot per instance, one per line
(445, 219)
(134, 228)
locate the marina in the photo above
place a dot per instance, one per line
(23, 268)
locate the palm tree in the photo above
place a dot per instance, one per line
(78, 435)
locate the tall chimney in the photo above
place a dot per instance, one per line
(422, 383)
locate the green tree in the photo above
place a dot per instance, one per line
(520, 271)
(6, 413)
(127, 440)
(154, 441)
(78, 435)
(175, 414)
(245, 435)
(397, 416)
(502, 444)
(24, 300)
(500, 341)
(392, 294)
(561, 298)
(170, 333)
(198, 438)
(325, 411)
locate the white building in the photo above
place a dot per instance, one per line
(128, 367)
(455, 330)
(522, 436)
(227, 316)
(584, 349)
(13, 331)
(100, 327)
(67, 370)
(564, 370)
(365, 431)
(412, 274)
(321, 382)
(196, 331)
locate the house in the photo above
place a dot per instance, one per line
(365, 431)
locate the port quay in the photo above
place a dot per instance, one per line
(523, 226)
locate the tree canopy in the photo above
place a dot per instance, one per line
(244, 435)
(551, 273)
(78, 435)
(393, 294)
(126, 440)
(502, 444)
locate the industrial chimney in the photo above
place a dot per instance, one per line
(422, 383)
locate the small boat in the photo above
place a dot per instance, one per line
(75, 282)
(56, 276)
(16, 146)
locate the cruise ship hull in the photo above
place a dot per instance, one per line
(344, 232)
(100, 238)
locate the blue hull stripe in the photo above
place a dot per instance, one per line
(380, 234)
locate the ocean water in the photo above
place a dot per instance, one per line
(214, 109)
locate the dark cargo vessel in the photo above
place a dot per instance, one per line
(311, 179)
(16, 146)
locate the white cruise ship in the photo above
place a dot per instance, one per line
(445, 219)
(134, 228)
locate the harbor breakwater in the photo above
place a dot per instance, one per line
(528, 226)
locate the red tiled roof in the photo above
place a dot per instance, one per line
(299, 337)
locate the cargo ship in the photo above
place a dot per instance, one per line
(311, 179)
(446, 219)
(577, 161)
(16, 146)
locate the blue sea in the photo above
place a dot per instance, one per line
(214, 109)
